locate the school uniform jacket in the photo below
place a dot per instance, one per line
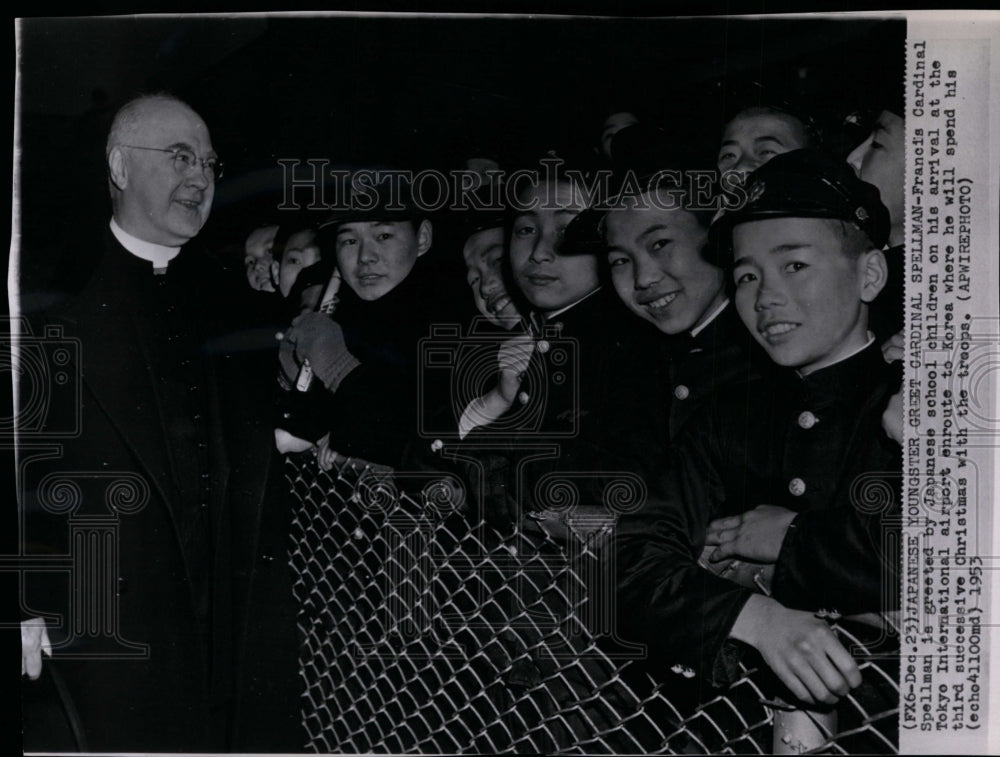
(814, 445)
(592, 410)
(722, 353)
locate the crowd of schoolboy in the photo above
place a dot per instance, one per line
(737, 361)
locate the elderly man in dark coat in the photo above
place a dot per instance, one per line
(142, 513)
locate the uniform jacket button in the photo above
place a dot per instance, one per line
(681, 392)
(797, 487)
(807, 420)
(523, 398)
(543, 346)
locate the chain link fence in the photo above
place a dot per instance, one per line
(424, 632)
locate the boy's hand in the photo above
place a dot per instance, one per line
(754, 535)
(514, 356)
(892, 348)
(892, 417)
(321, 341)
(34, 642)
(325, 457)
(800, 648)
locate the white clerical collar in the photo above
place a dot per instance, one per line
(715, 313)
(560, 311)
(157, 254)
(848, 356)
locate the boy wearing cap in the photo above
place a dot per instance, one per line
(366, 355)
(785, 465)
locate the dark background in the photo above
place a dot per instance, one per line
(415, 92)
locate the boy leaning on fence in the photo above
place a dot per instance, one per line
(772, 485)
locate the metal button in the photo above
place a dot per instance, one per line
(681, 392)
(523, 398)
(683, 670)
(797, 487)
(543, 346)
(807, 420)
(203, 505)
(437, 445)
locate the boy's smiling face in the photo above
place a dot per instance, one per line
(657, 268)
(483, 253)
(802, 291)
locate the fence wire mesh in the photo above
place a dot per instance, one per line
(425, 632)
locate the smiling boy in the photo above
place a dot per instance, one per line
(778, 465)
(660, 267)
(590, 370)
(483, 252)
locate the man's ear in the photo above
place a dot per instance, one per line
(116, 168)
(425, 236)
(874, 274)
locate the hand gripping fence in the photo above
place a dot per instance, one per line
(424, 632)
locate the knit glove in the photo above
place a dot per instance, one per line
(321, 341)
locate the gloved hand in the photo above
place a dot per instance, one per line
(321, 341)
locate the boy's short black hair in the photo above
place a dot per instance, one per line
(810, 127)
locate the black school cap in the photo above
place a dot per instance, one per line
(805, 184)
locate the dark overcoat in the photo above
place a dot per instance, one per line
(148, 482)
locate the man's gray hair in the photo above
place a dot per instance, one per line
(130, 116)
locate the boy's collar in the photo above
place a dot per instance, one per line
(560, 311)
(715, 314)
(848, 356)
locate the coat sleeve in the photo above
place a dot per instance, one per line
(680, 611)
(372, 415)
(843, 557)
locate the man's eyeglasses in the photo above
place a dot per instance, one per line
(185, 160)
